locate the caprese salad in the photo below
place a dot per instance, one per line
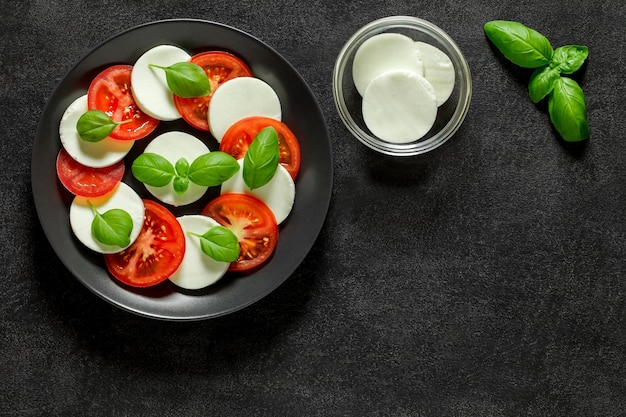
(143, 243)
(403, 83)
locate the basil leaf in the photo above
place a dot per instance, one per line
(153, 169)
(182, 167)
(212, 169)
(567, 109)
(186, 79)
(220, 244)
(180, 184)
(519, 44)
(112, 227)
(261, 159)
(569, 58)
(542, 82)
(95, 125)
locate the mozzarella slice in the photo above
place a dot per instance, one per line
(399, 106)
(100, 154)
(82, 215)
(438, 70)
(173, 146)
(279, 194)
(197, 270)
(382, 53)
(149, 85)
(239, 98)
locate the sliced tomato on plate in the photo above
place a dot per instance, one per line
(86, 181)
(252, 222)
(239, 136)
(220, 67)
(156, 253)
(110, 92)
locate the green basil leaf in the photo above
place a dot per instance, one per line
(542, 82)
(519, 44)
(182, 167)
(212, 169)
(261, 159)
(180, 184)
(186, 79)
(94, 126)
(569, 58)
(112, 227)
(220, 244)
(153, 169)
(567, 109)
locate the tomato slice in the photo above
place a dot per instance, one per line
(86, 181)
(110, 92)
(251, 221)
(238, 137)
(156, 253)
(220, 67)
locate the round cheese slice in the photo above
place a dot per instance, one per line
(382, 53)
(173, 146)
(82, 214)
(239, 98)
(197, 270)
(100, 154)
(438, 70)
(399, 106)
(149, 84)
(279, 194)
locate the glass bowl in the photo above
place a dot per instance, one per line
(450, 115)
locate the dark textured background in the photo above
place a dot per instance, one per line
(484, 279)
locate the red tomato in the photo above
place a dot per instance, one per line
(85, 181)
(238, 137)
(110, 92)
(220, 67)
(155, 255)
(251, 221)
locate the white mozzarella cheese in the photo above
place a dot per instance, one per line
(197, 270)
(172, 146)
(149, 84)
(279, 194)
(438, 70)
(239, 98)
(122, 197)
(382, 53)
(399, 106)
(100, 154)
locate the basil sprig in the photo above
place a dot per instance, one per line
(210, 169)
(112, 227)
(261, 160)
(219, 243)
(96, 125)
(186, 79)
(528, 48)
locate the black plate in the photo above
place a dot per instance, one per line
(301, 113)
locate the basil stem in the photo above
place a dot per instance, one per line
(219, 243)
(112, 227)
(95, 125)
(261, 159)
(186, 79)
(568, 113)
(521, 45)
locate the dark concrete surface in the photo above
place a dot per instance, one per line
(486, 278)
